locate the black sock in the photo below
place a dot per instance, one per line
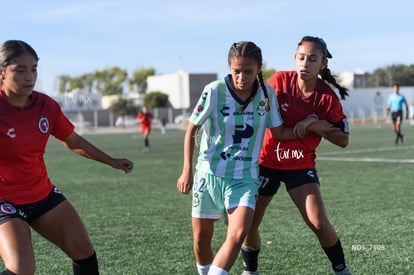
(7, 272)
(250, 259)
(336, 256)
(146, 142)
(87, 266)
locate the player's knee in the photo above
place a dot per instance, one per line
(320, 226)
(237, 235)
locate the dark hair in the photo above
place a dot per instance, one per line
(12, 49)
(396, 84)
(325, 73)
(247, 49)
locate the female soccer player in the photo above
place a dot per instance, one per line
(235, 112)
(27, 196)
(299, 93)
(145, 118)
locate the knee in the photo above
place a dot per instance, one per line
(321, 227)
(201, 241)
(237, 235)
(79, 249)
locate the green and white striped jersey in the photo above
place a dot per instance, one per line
(232, 139)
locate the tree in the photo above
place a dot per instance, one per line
(64, 83)
(267, 72)
(385, 77)
(156, 99)
(109, 81)
(138, 80)
(124, 107)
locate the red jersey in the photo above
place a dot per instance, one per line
(145, 119)
(24, 133)
(300, 153)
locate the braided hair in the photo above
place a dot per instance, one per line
(247, 49)
(325, 73)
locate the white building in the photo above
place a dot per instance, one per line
(183, 89)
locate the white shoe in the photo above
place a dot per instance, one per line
(346, 271)
(251, 272)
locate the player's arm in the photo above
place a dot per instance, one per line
(407, 111)
(337, 133)
(283, 133)
(185, 181)
(84, 148)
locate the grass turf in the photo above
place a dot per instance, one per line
(140, 224)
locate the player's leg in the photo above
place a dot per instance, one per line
(400, 136)
(269, 185)
(239, 222)
(16, 248)
(202, 235)
(308, 199)
(145, 135)
(63, 226)
(251, 245)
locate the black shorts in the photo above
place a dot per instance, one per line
(270, 179)
(30, 212)
(397, 116)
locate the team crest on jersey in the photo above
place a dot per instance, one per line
(261, 109)
(43, 125)
(7, 208)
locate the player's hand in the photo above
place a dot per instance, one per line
(300, 128)
(185, 183)
(122, 164)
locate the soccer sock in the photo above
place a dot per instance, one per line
(215, 270)
(7, 272)
(146, 142)
(88, 266)
(203, 269)
(250, 258)
(336, 256)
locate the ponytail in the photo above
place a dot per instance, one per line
(327, 76)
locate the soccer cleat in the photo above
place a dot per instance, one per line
(346, 271)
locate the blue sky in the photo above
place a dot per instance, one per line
(81, 36)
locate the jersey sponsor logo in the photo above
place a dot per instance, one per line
(242, 131)
(11, 133)
(43, 125)
(226, 156)
(7, 208)
(245, 132)
(244, 113)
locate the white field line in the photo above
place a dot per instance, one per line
(325, 156)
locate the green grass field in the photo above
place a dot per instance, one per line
(140, 224)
